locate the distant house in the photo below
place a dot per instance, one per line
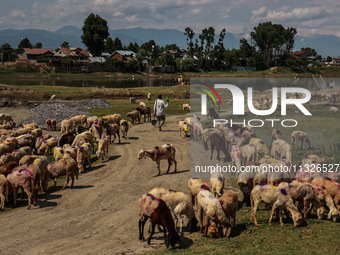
(96, 59)
(32, 54)
(77, 54)
(299, 54)
(124, 55)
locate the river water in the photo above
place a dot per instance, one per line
(259, 84)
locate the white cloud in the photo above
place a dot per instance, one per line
(17, 14)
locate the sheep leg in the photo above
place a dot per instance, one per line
(66, 181)
(304, 209)
(169, 165)
(200, 213)
(29, 194)
(206, 225)
(212, 150)
(118, 137)
(151, 234)
(253, 213)
(55, 182)
(72, 181)
(141, 224)
(158, 165)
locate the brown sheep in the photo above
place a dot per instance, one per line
(84, 156)
(229, 203)
(30, 125)
(112, 130)
(82, 119)
(146, 111)
(97, 130)
(8, 167)
(124, 128)
(65, 166)
(134, 116)
(48, 124)
(3, 191)
(53, 124)
(113, 118)
(218, 142)
(166, 151)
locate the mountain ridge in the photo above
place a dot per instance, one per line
(325, 45)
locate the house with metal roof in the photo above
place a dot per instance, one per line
(124, 55)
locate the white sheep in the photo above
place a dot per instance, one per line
(179, 203)
(58, 153)
(278, 198)
(184, 128)
(333, 109)
(47, 146)
(195, 185)
(103, 145)
(281, 149)
(217, 184)
(248, 153)
(83, 156)
(213, 210)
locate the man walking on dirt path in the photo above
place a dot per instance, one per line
(158, 111)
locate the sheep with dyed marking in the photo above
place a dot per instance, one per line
(276, 134)
(229, 203)
(21, 178)
(166, 151)
(19, 153)
(301, 192)
(47, 146)
(186, 107)
(261, 148)
(195, 185)
(85, 137)
(197, 130)
(91, 120)
(180, 204)
(55, 169)
(326, 199)
(278, 198)
(332, 187)
(7, 157)
(97, 130)
(217, 184)
(184, 128)
(70, 152)
(158, 212)
(213, 210)
(236, 155)
(58, 153)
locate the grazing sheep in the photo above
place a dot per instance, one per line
(149, 96)
(195, 185)
(166, 151)
(82, 119)
(84, 156)
(30, 125)
(186, 107)
(326, 199)
(111, 119)
(278, 198)
(24, 178)
(47, 146)
(26, 140)
(48, 124)
(229, 203)
(19, 153)
(302, 193)
(52, 98)
(216, 184)
(70, 152)
(332, 187)
(8, 167)
(218, 142)
(281, 149)
(28, 159)
(58, 153)
(179, 203)
(65, 166)
(124, 128)
(112, 130)
(276, 134)
(245, 181)
(4, 117)
(134, 116)
(158, 212)
(303, 137)
(197, 130)
(261, 148)
(36, 132)
(3, 191)
(248, 152)
(333, 109)
(184, 128)
(103, 146)
(91, 120)
(66, 125)
(97, 130)
(84, 138)
(213, 210)
(66, 138)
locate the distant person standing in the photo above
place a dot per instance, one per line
(158, 111)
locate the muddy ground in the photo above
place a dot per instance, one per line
(98, 216)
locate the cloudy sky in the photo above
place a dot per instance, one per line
(237, 16)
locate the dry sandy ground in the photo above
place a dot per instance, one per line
(98, 216)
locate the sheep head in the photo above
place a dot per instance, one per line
(213, 230)
(141, 154)
(172, 239)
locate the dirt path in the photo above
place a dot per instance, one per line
(99, 216)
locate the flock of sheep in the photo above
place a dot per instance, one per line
(24, 150)
(287, 192)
